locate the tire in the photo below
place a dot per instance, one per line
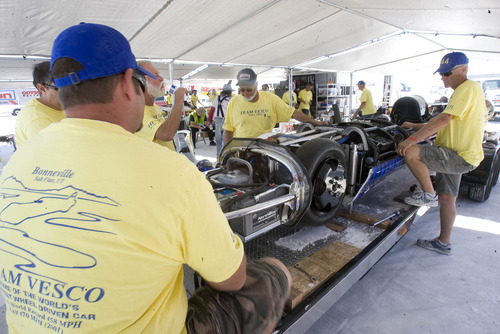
(325, 162)
(303, 127)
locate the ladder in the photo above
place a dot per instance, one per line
(386, 100)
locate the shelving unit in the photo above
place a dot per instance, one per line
(329, 94)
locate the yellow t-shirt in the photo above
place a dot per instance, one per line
(464, 134)
(32, 118)
(194, 100)
(153, 119)
(286, 97)
(251, 119)
(369, 108)
(305, 96)
(97, 239)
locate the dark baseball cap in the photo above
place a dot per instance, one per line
(361, 82)
(451, 60)
(246, 77)
(101, 50)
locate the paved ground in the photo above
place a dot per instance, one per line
(410, 290)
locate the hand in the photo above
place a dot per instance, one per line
(407, 125)
(404, 146)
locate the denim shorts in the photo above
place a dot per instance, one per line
(256, 307)
(448, 165)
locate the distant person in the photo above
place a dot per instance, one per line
(305, 99)
(39, 113)
(212, 95)
(218, 114)
(366, 108)
(98, 222)
(194, 99)
(457, 149)
(286, 96)
(198, 121)
(265, 88)
(255, 112)
(154, 126)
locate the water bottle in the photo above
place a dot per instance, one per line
(172, 90)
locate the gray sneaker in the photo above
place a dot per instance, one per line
(421, 198)
(435, 245)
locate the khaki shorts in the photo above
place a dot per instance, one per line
(448, 165)
(256, 307)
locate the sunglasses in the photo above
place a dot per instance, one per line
(51, 87)
(142, 80)
(447, 74)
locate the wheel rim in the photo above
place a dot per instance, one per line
(329, 186)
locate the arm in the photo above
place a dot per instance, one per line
(427, 130)
(300, 116)
(414, 126)
(361, 106)
(167, 129)
(228, 135)
(235, 282)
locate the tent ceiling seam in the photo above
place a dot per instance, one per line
(285, 36)
(148, 22)
(261, 9)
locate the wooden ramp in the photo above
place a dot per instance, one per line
(309, 273)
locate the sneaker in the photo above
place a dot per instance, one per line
(212, 143)
(435, 245)
(421, 198)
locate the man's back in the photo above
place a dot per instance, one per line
(464, 133)
(34, 117)
(111, 220)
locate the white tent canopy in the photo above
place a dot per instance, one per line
(271, 36)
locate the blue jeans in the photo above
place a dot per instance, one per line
(219, 134)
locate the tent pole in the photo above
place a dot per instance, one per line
(350, 96)
(290, 92)
(170, 73)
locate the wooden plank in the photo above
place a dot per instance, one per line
(321, 265)
(336, 226)
(364, 218)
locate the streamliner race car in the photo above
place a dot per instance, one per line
(306, 176)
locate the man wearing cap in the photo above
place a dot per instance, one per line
(305, 99)
(39, 113)
(99, 222)
(366, 107)
(194, 99)
(457, 149)
(154, 126)
(218, 115)
(254, 112)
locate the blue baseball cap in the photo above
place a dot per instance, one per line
(451, 60)
(102, 51)
(361, 82)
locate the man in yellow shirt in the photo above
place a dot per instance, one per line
(254, 112)
(305, 99)
(100, 222)
(286, 96)
(39, 113)
(154, 126)
(194, 99)
(367, 107)
(457, 149)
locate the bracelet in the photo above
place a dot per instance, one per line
(413, 138)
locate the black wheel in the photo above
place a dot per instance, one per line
(325, 162)
(303, 127)
(496, 169)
